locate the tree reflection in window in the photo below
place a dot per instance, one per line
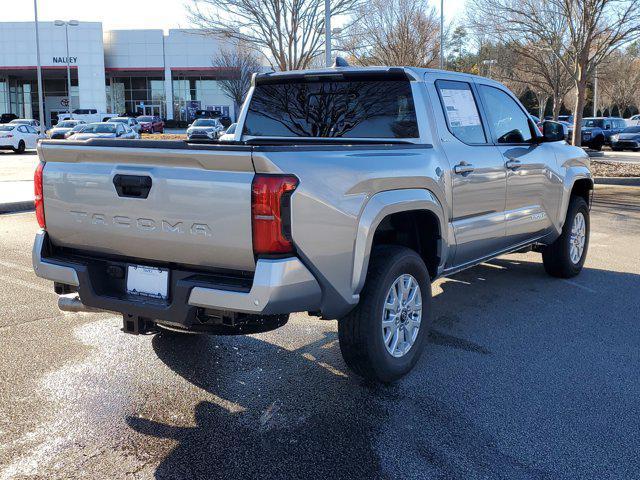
(354, 109)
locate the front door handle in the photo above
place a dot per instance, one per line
(512, 164)
(463, 168)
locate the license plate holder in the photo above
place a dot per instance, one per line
(149, 282)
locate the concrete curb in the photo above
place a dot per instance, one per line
(16, 207)
(625, 181)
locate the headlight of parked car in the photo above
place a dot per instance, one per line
(614, 138)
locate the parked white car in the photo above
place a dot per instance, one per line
(633, 121)
(89, 115)
(28, 121)
(18, 137)
(230, 134)
(205, 129)
(104, 130)
(129, 121)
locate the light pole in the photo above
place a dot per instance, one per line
(66, 25)
(595, 94)
(327, 32)
(441, 34)
(39, 68)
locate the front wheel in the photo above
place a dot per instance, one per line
(383, 337)
(565, 257)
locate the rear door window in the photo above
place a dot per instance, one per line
(461, 111)
(509, 122)
(350, 109)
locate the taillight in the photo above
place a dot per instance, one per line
(271, 214)
(39, 199)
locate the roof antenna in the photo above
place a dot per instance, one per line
(340, 62)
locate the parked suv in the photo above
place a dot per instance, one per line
(348, 192)
(597, 131)
(150, 124)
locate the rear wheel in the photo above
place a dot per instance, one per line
(21, 147)
(383, 337)
(565, 257)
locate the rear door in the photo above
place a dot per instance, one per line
(477, 172)
(182, 205)
(532, 186)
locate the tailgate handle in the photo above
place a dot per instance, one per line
(133, 186)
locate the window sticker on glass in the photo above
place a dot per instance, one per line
(461, 108)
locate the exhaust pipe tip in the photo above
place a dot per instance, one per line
(72, 303)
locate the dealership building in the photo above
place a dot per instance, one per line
(144, 72)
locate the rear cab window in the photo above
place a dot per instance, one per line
(461, 111)
(345, 108)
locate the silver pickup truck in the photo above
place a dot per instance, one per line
(344, 193)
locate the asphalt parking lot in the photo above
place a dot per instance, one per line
(525, 377)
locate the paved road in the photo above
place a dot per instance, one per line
(525, 377)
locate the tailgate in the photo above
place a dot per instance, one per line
(197, 209)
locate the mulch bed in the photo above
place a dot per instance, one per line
(602, 168)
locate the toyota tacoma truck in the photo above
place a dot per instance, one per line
(344, 193)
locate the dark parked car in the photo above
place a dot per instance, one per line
(7, 117)
(627, 139)
(597, 131)
(149, 124)
(565, 118)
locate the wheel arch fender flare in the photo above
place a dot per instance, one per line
(573, 175)
(376, 210)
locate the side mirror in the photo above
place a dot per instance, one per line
(553, 131)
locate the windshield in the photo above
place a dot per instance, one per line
(66, 124)
(100, 128)
(119, 120)
(20, 122)
(6, 128)
(145, 119)
(631, 130)
(593, 122)
(231, 129)
(78, 128)
(351, 109)
(203, 122)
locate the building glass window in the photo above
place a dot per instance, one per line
(198, 93)
(136, 96)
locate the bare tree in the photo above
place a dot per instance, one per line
(621, 84)
(394, 32)
(289, 33)
(236, 66)
(589, 29)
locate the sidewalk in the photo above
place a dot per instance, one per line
(16, 196)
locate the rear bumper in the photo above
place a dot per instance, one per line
(278, 286)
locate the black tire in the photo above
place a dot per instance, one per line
(21, 147)
(360, 332)
(557, 257)
(597, 145)
(616, 149)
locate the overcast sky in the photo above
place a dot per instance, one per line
(126, 14)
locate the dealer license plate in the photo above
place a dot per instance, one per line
(147, 281)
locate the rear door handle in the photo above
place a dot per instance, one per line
(463, 168)
(512, 164)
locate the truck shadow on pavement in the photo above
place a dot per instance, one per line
(297, 412)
